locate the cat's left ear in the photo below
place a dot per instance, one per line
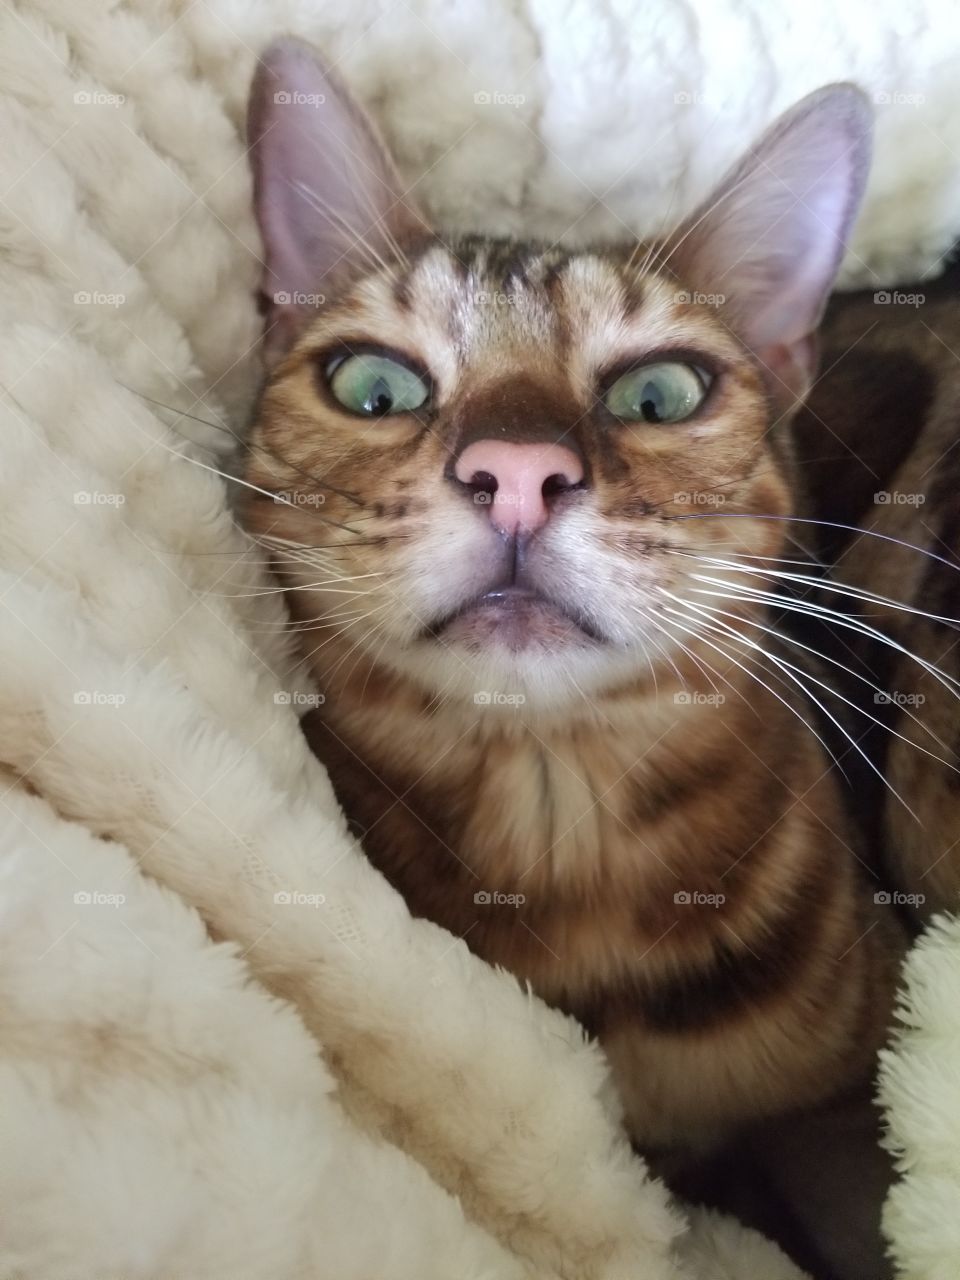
(328, 197)
(771, 237)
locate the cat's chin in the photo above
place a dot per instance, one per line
(517, 621)
(524, 662)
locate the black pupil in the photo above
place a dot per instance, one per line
(651, 403)
(379, 399)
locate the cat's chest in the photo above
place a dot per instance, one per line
(563, 859)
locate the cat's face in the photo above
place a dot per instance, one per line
(497, 462)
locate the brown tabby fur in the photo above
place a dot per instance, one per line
(885, 423)
(601, 808)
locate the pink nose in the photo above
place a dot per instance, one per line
(517, 481)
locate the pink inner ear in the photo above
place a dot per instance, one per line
(771, 237)
(328, 198)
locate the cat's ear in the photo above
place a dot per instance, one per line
(770, 238)
(328, 198)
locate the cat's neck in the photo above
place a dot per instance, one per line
(503, 786)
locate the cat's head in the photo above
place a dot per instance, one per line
(497, 461)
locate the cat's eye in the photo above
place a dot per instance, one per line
(376, 385)
(665, 392)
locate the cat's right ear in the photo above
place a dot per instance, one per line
(328, 198)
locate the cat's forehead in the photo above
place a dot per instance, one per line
(506, 285)
(478, 301)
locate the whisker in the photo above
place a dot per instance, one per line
(829, 524)
(790, 671)
(246, 444)
(246, 484)
(342, 224)
(812, 609)
(697, 634)
(849, 670)
(647, 617)
(853, 592)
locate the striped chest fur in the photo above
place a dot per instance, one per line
(679, 876)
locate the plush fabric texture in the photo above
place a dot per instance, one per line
(227, 1050)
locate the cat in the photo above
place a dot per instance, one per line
(516, 493)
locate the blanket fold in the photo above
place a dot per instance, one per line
(228, 1050)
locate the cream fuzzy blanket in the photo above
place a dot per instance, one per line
(226, 1051)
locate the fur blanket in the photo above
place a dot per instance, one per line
(227, 1050)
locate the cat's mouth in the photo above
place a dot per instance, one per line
(515, 618)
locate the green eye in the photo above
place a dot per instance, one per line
(376, 385)
(657, 393)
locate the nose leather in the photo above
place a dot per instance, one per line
(517, 482)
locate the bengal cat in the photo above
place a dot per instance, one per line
(519, 495)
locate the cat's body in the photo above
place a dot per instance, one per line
(668, 860)
(885, 420)
(516, 494)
